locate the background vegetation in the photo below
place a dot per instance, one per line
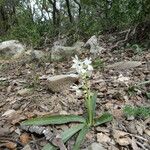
(33, 21)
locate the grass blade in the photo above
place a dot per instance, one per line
(57, 119)
(66, 135)
(81, 137)
(106, 117)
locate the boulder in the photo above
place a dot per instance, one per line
(62, 52)
(35, 54)
(60, 42)
(78, 44)
(93, 44)
(59, 83)
(24, 92)
(11, 48)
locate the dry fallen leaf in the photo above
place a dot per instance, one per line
(147, 131)
(134, 145)
(90, 136)
(103, 138)
(117, 134)
(9, 113)
(123, 141)
(11, 145)
(121, 137)
(18, 118)
(4, 131)
(25, 138)
(140, 128)
(117, 113)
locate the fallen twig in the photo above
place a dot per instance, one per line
(121, 41)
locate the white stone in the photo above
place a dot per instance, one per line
(24, 92)
(35, 54)
(59, 83)
(11, 48)
(60, 52)
(94, 46)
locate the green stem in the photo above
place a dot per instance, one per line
(88, 101)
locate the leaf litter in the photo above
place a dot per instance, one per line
(25, 94)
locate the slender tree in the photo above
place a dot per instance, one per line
(69, 11)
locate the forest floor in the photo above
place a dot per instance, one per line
(23, 95)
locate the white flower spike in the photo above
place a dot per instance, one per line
(82, 67)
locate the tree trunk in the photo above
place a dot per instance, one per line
(69, 11)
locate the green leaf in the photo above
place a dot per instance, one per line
(49, 147)
(66, 135)
(58, 119)
(106, 117)
(143, 83)
(81, 137)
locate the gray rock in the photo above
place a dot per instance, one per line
(93, 44)
(59, 83)
(11, 48)
(24, 92)
(35, 54)
(60, 52)
(60, 42)
(95, 146)
(78, 44)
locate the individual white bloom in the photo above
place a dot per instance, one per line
(90, 68)
(89, 73)
(76, 62)
(79, 68)
(83, 71)
(82, 67)
(87, 61)
(77, 90)
(75, 59)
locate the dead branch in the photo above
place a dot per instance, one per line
(121, 41)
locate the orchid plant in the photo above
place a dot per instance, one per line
(84, 70)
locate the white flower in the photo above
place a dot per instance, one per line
(82, 67)
(90, 68)
(87, 61)
(77, 90)
(76, 62)
(83, 71)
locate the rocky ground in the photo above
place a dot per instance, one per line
(25, 94)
